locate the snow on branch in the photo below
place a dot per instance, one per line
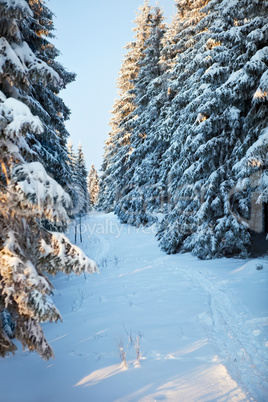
(39, 192)
(10, 62)
(31, 335)
(20, 282)
(261, 93)
(256, 155)
(64, 256)
(255, 160)
(41, 306)
(36, 68)
(6, 346)
(15, 8)
(17, 61)
(16, 118)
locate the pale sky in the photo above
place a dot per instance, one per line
(91, 35)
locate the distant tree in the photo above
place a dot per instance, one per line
(81, 175)
(28, 196)
(93, 186)
(78, 190)
(74, 188)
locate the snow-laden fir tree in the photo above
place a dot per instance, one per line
(140, 172)
(44, 101)
(219, 74)
(28, 196)
(81, 175)
(79, 189)
(250, 196)
(74, 190)
(151, 175)
(93, 186)
(117, 149)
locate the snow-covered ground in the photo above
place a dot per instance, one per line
(202, 327)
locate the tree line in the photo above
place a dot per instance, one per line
(188, 145)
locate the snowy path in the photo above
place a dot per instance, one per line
(202, 327)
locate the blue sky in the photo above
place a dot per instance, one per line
(90, 36)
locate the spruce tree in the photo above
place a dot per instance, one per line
(117, 150)
(140, 196)
(93, 186)
(81, 175)
(44, 101)
(28, 196)
(218, 74)
(78, 190)
(74, 189)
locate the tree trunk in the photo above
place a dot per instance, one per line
(80, 229)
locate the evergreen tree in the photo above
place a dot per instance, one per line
(189, 130)
(74, 189)
(139, 189)
(28, 195)
(81, 175)
(117, 149)
(93, 186)
(78, 190)
(44, 101)
(216, 122)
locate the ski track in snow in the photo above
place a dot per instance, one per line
(234, 338)
(203, 332)
(232, 333)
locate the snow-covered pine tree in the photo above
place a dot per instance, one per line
(160, 122)
(27, 197)
(218, 74)
(74, 188)
(78, 190)
(250, 196)
(82, 180)
(182, 45)
(44, 101)
(117, 149)
(140, 176)
(93, 186)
